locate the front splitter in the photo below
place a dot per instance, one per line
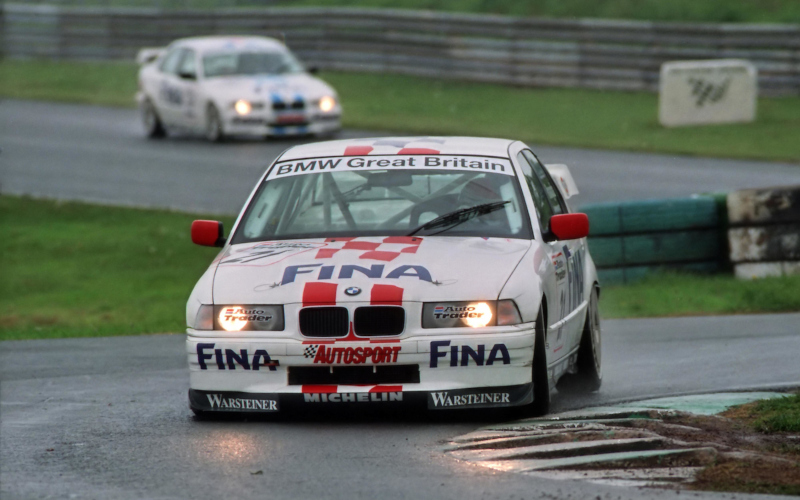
(453, 399)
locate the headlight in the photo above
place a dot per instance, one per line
(458, 314)
(243, 107)
(248, 317)
(327, 103)
(475, 314)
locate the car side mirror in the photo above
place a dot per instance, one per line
(187, 76)
(569, 226)
(208, 233)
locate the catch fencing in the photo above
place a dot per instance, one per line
(588, 53)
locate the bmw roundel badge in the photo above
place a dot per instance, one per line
(353, 290)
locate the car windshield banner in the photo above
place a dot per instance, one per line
(450, 163)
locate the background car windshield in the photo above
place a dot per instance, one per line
(250, 63)
(374, 203)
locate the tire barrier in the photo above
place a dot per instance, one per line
(764, 233)
(632, 239)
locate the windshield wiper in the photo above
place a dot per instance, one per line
(456, 217)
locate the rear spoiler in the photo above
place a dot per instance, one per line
(149, 54)
(566, 184)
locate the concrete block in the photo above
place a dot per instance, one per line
(703, 92)
(764, 205)
(766, 243)
(756, 270)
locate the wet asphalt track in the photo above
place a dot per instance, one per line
(99, 154)
(107, 418)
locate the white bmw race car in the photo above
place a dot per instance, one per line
(381, 271)
(222, 86)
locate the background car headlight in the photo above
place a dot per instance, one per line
(243, 107)
(327, 103)
(248, 318)
(475, 314)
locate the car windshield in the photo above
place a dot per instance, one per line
(250, 63)
(389, 195)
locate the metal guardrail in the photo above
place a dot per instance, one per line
(601, 54)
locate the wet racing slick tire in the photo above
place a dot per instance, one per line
(153, 128)
(589, 374)
(214, 131)
(541, 385)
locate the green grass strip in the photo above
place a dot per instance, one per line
(394, 103)
(778, 415)
(769, 11)
(670, 294)
(80, 270)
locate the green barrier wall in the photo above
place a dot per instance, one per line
(628, 240)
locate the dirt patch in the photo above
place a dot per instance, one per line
(749, 476)
(747, 460)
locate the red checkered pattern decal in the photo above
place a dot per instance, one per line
(386, 250)
(410, 146)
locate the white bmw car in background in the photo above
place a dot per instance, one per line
(224, 86)
(380, 271)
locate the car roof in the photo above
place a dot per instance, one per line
(479, 146)
(219, 43)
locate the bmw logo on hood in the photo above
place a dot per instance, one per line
(353, 290)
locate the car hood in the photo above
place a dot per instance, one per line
(329, 270)
(266, 88)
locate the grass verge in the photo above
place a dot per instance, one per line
(778, 471)
(770, 415)
(395, 103)
(671, 294)
(783, 11)
(78, 270)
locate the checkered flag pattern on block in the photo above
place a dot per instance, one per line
(310, 351)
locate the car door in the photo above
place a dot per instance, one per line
(565, 256)
(189, 114)
(169, 96)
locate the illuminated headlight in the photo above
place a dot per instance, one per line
(243, 107)
(470, 314)
(248, 317)
(327, 104)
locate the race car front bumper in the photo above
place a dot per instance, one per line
(265, 124)
(449, 372)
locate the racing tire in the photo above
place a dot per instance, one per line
(214, 132)
(541, 383)
(589, 374)
(153, 127)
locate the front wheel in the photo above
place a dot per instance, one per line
(214, 132)
(541, 382)
(589, 370)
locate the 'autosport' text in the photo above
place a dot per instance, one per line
(352, 355)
